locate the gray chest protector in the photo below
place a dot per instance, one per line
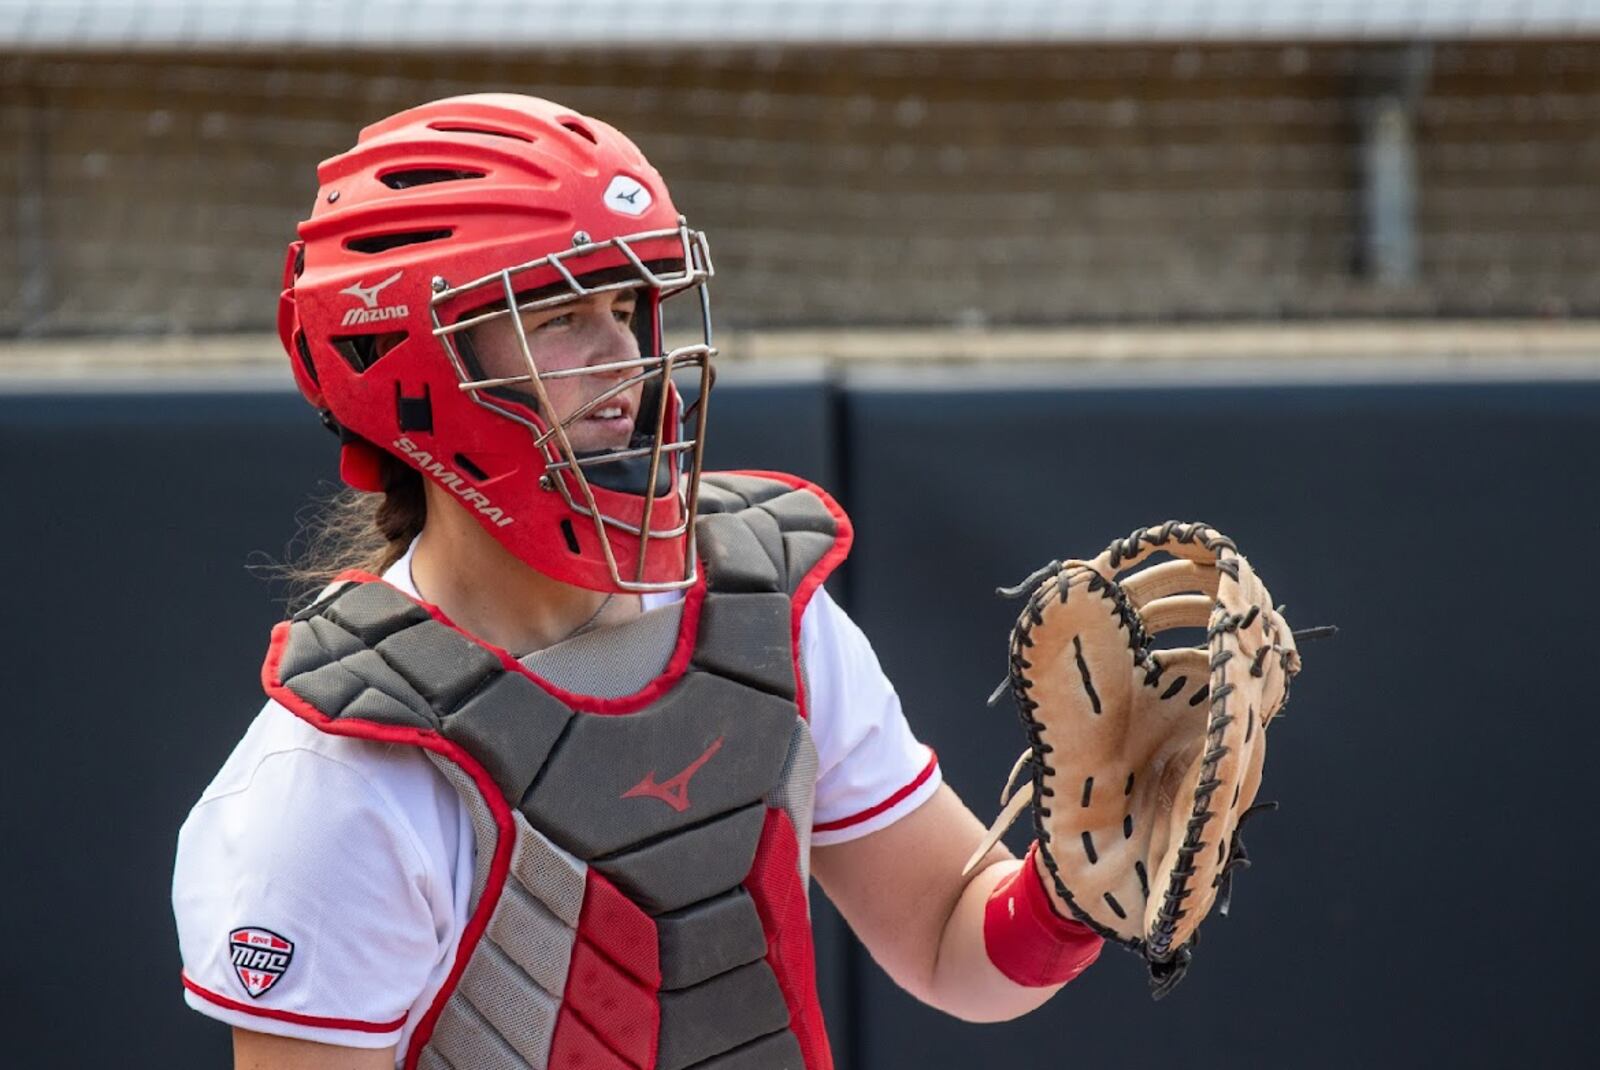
(640, 799)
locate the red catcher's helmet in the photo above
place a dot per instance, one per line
(453, 214)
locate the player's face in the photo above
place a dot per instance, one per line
(584, 333)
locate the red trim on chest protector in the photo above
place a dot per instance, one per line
(844, 535)
(499, 866)
(677, 664)
(622, 1014)
(611, 1011)
(574, 1046)
(619, 930)
(781, 903)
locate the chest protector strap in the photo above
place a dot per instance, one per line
(639, 891)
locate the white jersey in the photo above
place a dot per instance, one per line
(321, 885)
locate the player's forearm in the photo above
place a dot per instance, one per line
(965, 982)
(1034, 958)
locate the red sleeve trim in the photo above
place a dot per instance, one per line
(873, 811)
(844, 535)
(355, 1025)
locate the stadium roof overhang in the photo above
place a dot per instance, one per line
(164, 25)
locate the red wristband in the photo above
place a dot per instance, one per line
(1027, 940)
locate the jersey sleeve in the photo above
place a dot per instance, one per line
(304, 904)
(872, 771)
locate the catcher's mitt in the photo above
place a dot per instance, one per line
(1144, 762)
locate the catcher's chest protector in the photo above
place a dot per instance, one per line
(639, 894)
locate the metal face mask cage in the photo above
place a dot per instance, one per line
(564, 467)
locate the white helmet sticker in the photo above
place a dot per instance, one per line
(627, 196)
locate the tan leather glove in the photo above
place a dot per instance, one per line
(1144, 761)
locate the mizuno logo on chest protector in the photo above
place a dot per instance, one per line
(674, 792)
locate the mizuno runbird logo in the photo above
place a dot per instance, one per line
(674, 792)
(369, 294)
(369, 298)
(628, 196)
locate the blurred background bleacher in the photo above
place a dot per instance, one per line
(933, 164)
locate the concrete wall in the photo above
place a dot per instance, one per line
(155, 193)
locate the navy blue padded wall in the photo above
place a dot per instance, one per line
(1422, 897)
(141, 634)
(1433, 763)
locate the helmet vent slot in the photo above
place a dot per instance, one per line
(303, 351)
(571, 536)
(414, 414)
(378, 243)
(462, 128)
(465, 463)
(425, 176)
(581, 130)
(362, 351)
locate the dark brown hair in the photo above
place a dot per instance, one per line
(357, 530)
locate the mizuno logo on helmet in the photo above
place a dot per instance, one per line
(454, 481)
(369, 298)
(628, 196)
(369, 294)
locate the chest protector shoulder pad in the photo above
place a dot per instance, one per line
(639, 894)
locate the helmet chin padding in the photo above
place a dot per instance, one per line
(626, 475)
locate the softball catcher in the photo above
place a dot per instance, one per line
(542, 780)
